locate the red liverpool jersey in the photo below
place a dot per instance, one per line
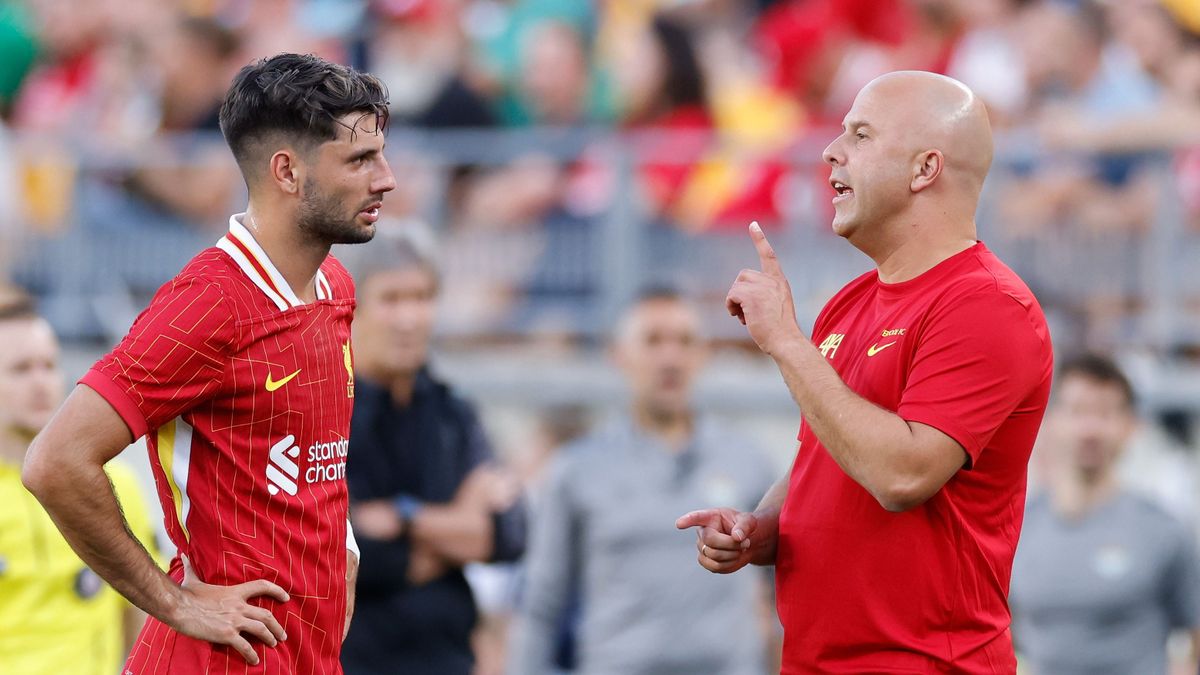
(963, 348)
(244, 395)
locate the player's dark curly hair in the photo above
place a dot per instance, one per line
(300, 96)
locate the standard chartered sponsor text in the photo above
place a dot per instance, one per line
(327, 461)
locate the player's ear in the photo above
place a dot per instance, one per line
(926, 169)
(285, 168)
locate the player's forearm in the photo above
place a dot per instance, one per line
(459, 534)
(351, 584)
(875, 447)
(81, 502)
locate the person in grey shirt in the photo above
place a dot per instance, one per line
(1101, 576)
(604, 524)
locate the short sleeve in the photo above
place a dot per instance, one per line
(172, 359)
(976, 362)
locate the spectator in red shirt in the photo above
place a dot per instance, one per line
(922, 391)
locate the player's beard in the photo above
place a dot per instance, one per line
(321, 218)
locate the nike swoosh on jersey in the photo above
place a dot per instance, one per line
(272, 385)
(876, 348)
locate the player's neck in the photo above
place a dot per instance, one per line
(1079, 493)
(13, 444)
(295, 256)
(673, 429)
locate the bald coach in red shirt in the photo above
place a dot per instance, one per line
(922, 390)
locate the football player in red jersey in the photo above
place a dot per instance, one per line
(239, 375)
(922, 390)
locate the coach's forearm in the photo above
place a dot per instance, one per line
(874, 446)
(764, 549)
(80, 499)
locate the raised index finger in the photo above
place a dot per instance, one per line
(766, 255)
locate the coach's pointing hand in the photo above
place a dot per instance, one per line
(220, 614)
(762, 300)
(727, 540)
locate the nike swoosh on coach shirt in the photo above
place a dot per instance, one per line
(872, 351)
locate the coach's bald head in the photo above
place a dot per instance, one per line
(913, 155)
(941, 113)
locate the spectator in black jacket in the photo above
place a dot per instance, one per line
(426, 495)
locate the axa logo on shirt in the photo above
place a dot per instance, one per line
(830, 344)
(326, 461)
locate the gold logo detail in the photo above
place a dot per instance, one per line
(272, 385)
(349, 362)
(830, 346)
(876, 348)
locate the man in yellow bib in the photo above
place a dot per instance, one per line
(56, 615)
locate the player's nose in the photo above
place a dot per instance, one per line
(386, 180)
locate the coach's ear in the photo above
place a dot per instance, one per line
(286, 171)
(926, 169)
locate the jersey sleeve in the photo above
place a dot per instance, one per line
(977, 361)
(172, 359)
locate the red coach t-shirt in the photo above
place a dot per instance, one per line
(963, 348)
(244, 395)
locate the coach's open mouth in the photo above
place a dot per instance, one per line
(841, 189)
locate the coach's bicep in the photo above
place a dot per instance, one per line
(85, 430)
(932, 461)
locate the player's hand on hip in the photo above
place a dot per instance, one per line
(725, 538)
(762, 299)
(223, 614)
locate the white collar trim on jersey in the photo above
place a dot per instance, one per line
(239, 243)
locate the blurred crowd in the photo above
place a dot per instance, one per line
(110, 127)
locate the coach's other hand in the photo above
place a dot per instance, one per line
(762, 299)
(727, 539)
(221, 614)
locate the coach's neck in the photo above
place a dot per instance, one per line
(937, 226)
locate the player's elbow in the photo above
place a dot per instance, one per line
(37, 474)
